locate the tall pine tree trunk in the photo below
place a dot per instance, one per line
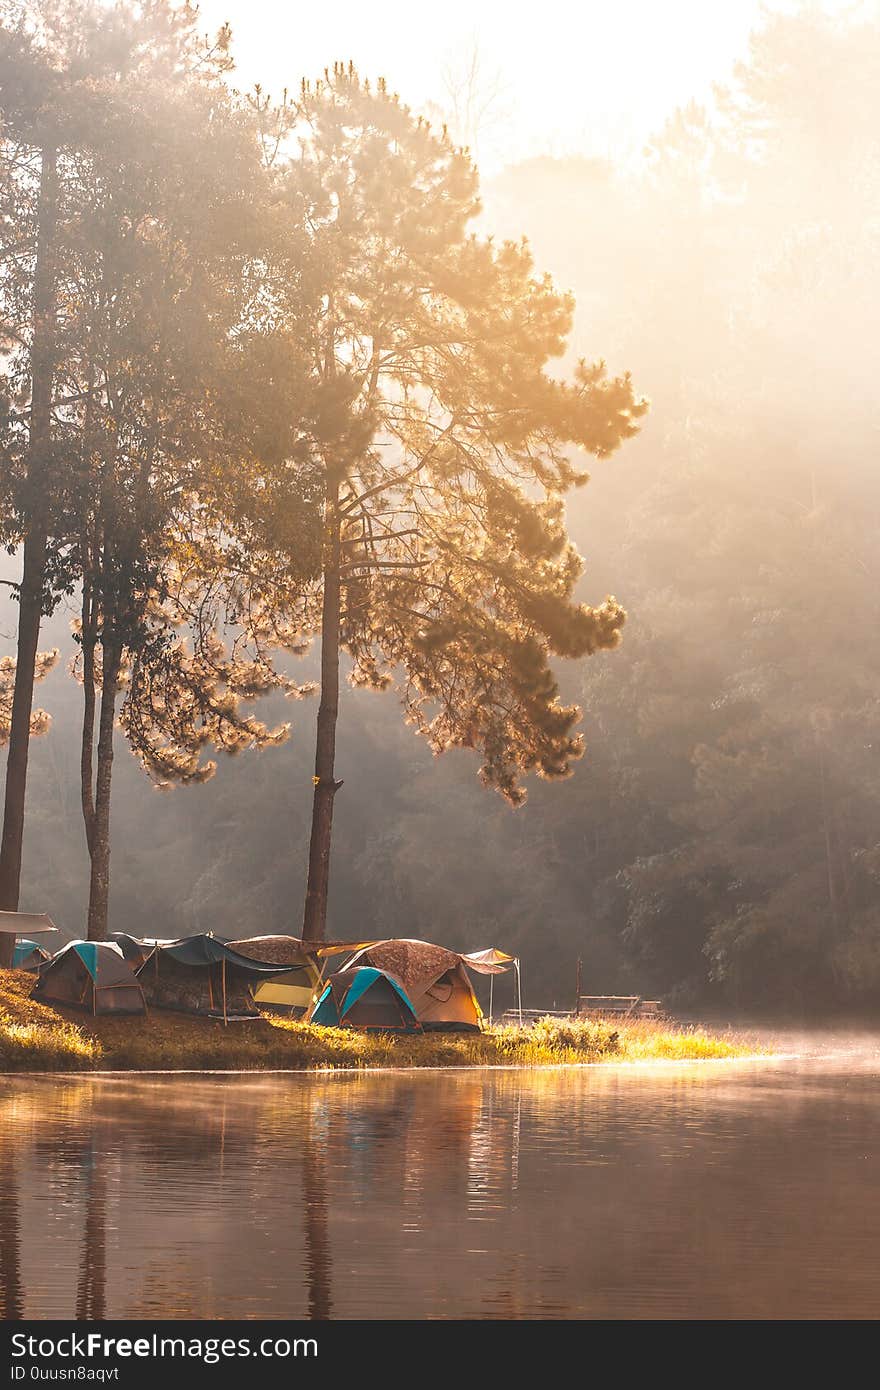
(326, 786)
(87, 745)
(35, 544)
(99, 882)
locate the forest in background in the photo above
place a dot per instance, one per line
(720, 842)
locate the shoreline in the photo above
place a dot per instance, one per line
(325, 1072)
(38, 1038)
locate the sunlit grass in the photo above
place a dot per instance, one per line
(651, 1041)
(36, 1037)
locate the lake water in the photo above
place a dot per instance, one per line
(697, 1190)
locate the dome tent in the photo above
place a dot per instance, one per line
(434, 978)
(368, 999)
(91, 975)
(29, 955)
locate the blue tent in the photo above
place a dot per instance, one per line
(368, 999)
(93, 975)
(28, 955)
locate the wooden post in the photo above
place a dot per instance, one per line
(223, 972)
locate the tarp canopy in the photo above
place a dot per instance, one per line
(272, 950)
(91, 974)
(335, 948)
(135, 949)
(26, 923)
(493, 962)
(489, 962)
(203, 975)
(367, 999)
(206, 949)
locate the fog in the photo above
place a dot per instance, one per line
(720, 842)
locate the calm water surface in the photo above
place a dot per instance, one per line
(699, 1190)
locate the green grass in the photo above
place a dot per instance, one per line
(37, 1037)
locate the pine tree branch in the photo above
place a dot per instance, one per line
(386, 565)
(399, 478)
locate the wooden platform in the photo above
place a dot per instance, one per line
(618, 1006)
(532, 1015)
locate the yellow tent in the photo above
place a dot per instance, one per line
(294, 989)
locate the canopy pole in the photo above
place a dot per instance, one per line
(225, 1019)
(318, 989)
(491, 995)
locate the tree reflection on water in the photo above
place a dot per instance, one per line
(711, 1190)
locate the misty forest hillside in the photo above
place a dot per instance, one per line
(720, 841)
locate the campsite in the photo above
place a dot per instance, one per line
(439, 650)
(200, 1003)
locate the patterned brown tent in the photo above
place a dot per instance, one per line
(434, 978)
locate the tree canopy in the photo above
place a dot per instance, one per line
(444, 446)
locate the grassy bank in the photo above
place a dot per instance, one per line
(36, 1037)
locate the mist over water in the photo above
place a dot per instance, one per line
(701, 1190)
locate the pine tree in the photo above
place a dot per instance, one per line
(167, 245)
(66, 72)
(444, 447)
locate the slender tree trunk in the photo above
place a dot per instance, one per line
(99, 883)
(35, 545)
(326, 786)
(86, 762)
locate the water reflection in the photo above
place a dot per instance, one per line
(316, 1213)
(742, 1190)
(10, 1233)
(91, 1296)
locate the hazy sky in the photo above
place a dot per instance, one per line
(596, 77)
